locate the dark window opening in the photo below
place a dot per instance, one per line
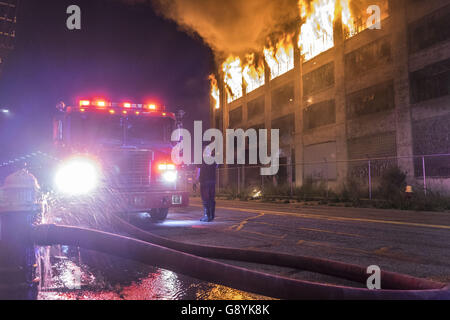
(283, 97)
(375, 99)
(430, 30)
(320, 114)
(286, 125)
(367, 58)
(318, 79)
(236, 117)
(431, 82)
(256, 108)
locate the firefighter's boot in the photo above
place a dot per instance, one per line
(206, 214)
(212, 211)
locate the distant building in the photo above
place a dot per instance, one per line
(379, 94)
(8, 11)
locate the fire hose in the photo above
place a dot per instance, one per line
(346, 271)
(19, 236)
(216, 272)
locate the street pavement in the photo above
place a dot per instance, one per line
(413, 243)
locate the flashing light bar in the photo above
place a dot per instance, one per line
(126, 105)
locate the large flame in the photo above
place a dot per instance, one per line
(215, 92)
(280, 58)
(232, 71)
(317, 31)
(316, 35)
(253, 73)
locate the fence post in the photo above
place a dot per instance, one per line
(243, 177)
(218, 180)
(326, 174)
(238, 179)
(291, 178)
(370, 179)
(262, 183)
(424, 176)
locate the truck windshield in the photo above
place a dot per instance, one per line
(143, 130)
(95, 128)
(109, 129)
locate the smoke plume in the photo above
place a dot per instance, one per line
(241, 26)
(231, 26)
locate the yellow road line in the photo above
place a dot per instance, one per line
(238, 227)
(323, 217)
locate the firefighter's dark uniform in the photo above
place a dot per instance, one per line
(207, 180)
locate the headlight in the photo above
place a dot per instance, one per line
(77, 176)
(170, 176)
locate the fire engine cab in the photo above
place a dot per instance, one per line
(122, 148)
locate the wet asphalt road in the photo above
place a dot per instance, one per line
(413, 243)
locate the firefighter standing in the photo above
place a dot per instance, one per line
(206, 175)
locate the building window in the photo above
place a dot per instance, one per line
(283, 97)
(371, 100)
(429, 31)
(235, 117)
(320, 114)
(256, 108)
(286, 125)
(318, 79)
(367, 58)
(432, 137)
(431, 82)
(374, 146)
(381, 148)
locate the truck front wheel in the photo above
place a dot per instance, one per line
(159, 215)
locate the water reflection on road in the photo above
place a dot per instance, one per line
(159, 284)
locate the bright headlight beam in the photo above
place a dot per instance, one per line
(170, 176)
(77, 177)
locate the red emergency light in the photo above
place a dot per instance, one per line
(123, 108)
(100, 103)
(85, 103)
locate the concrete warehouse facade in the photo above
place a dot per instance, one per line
(8, 10)
(378, 94)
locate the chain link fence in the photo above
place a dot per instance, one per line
(365, 178)
(362, 178)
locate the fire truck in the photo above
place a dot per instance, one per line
(124, 148)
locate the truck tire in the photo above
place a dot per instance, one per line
(159, 215)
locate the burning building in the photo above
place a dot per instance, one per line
(8, 10)
(342, 93)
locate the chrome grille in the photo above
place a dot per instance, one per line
(129, 168)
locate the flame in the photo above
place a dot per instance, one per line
(253, 73)
(316, 35)
(232, 70)
(317, 31)
(215, 92)
(280, 58)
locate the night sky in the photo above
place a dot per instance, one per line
(123, 52)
